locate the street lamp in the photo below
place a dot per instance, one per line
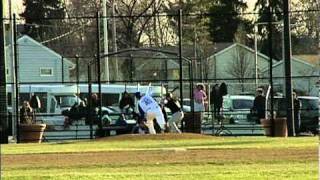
(256, 25)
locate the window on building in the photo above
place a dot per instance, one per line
(46, 72)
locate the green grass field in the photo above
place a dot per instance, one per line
(167, 156)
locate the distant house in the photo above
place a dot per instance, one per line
(162, 68)
(37, 63)
(236, 66)
(230, 62)
(190, 53)
(300, 72)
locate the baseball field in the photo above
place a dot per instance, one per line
(164, 156)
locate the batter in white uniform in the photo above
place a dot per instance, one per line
(151, 111)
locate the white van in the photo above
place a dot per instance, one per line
(112, 93)
(53, 98)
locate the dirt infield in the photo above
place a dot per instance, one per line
(177, 155)
(145, 157)
(166, 136)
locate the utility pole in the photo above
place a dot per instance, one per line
(180, 57)
(287, 61)
(99, 68)
(3, 82)
(256, 55)
(114, 36)
(105, 41)
(14, 116)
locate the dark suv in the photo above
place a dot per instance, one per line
(309, 112)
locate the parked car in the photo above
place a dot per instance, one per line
(237, 107)
(309, 112)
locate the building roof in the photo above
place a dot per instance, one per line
(313, 59)
(293, 59)
(50, 51)
(222, 51)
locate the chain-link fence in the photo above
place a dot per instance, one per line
(65, 61)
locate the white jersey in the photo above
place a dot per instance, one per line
(147, 103)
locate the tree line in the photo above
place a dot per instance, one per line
(68, 26)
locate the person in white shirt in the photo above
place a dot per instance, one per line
(151, 110)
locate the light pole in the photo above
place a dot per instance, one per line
(256, 27)
(256, 54)
(105, 41)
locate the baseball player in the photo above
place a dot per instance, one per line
(151, 110)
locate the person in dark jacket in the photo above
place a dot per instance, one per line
(223, 89)
(177, 113)
(216, 100)
(259, 105)
(126, 103)
(296, 112)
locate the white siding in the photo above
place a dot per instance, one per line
(299, 68)
(32, 56)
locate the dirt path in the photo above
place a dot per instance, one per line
(165, 156)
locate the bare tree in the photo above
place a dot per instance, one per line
(135, 19)
(135, 16)
(240, 67)
(159, 31)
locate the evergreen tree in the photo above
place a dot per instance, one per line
(306, 31)
(40, 15)
(225, 19)
(192, 25)
(275, 17)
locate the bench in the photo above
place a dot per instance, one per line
(109, 130)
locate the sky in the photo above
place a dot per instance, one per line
(17, 5)
(251, 4)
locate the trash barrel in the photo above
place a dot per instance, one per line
(192, 122)
(280, 127)
(31, 133)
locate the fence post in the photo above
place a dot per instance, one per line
(16, 71)
(3, 82)
(287, 63)
(89, 102)
(77, 69)
(270, 29)
(180, 61)
(99, 68)
(62, 69)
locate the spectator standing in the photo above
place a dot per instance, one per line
(35, 104)
(199, 98)
(26, 113)
(259, 105)
(93, 109)
(296, 112)
(177, 113)
(223, 89)
(216, 100)
(94, 100)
